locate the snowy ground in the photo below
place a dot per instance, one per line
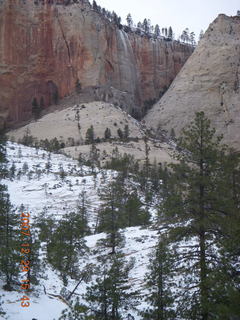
(47, 192)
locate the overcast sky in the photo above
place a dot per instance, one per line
(194, 14)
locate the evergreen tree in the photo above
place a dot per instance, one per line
(95, 6)
(9, 240)
(159, 283)
(116, 19)
(27, 139)
(35, 272)
(45, 225)
(201, 35)
(81, 163)
(139, 25)
(192, 39)
(129, 20)
(77, 118)
(83, 213)
(111, 217)
(78, 86)
(110, 297)
(135, 214)
(193, 199)
(2, 313)
(12, 171)
(155, 181)
(65, 246)
(94, 158)
(9, 227)
(36, 110)
(77, 311)
(126, 132)
(170, 33)
(146, 26)
(90, 137)
(225, 278)
(157, 32)
(107, 134)
(120, 133)
(173, 134)
(185, 35)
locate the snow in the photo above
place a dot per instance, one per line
(41, 308)
(57, 197)
(47, 192)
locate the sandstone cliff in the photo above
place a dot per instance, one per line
(46, 48)
(209, 82)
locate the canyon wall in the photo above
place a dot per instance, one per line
(209, 82)
(45, 49)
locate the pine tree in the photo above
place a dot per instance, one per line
(192, 200)
(126, 132)
(139, 25)
(2, 313)
(94, 158)
(65, 246)
(78, 86)
(36, 110)
(111, 215)
(9, 227)
(76, 311)
(192, 39)
(129, 20)
(157, 32)
(172, 134)
(170, 33)
(107, 134)
(35, 272)
(159, 283)
(95, 6)
(146, 26)
(185, 35)
(81, 163)
(120, 133)
(45, 225)
(90, 137)
(135, 214)
(201, 35)
(83, 213)
(12, 171)
(110, 297)
(225, 278)
(9, 240)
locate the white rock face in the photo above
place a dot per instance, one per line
(209, 82)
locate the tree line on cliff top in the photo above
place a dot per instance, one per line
(144, 28)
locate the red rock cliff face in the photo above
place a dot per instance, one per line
(45, 48)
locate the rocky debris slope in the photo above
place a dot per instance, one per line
(209, 82)
(47, 50)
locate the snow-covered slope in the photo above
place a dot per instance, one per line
(48, 192)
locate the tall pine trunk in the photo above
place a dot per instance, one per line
(202, 237)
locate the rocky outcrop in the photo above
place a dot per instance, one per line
(45, 49)
(209, 82)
